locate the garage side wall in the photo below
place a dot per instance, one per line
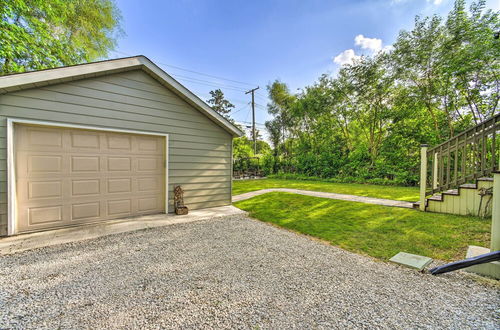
(199, 150)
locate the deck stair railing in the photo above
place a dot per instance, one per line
(462, 159)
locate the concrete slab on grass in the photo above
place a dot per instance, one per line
(411, 260)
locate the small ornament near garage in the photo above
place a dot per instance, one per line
(180, 208)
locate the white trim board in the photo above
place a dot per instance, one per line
(11, 168)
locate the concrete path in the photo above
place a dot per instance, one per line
(344, 197)
(25, 242)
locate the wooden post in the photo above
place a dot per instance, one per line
(254, 137)
(495, 216)
(423, 175)
(435, 175)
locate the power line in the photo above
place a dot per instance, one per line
(248, 122)
(207, 84)
(206, 97)
(241, 109)
(262, 97)
(216, 84)
(193, 71)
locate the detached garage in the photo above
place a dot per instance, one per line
(106, 140)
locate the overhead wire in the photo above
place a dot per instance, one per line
(233, 113)
(193, 71)
(212, 83)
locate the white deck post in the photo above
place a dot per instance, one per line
(495, 216)
(423, 175)
(435, 178)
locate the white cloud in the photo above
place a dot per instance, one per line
(346, 57)
(436, 2)
(387, 49)
(373, 44)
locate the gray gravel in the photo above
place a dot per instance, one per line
(230, 272)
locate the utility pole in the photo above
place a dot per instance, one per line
(253, 119)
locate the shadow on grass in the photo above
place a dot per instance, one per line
(378, 231)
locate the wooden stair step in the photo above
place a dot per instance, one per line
(451, 192)
(485, 179)
(468, 186)
(438, 198)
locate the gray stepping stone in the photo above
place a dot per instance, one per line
(411, 260)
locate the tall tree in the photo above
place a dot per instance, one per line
(40, 34)
(219, 103)
(368, 120)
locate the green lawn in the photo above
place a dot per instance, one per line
(378, 231)
(389, 192)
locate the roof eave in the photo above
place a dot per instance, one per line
(16, 82)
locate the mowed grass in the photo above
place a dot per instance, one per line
(378, 231)
(389, 192)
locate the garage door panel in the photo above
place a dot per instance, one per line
(149, 145)
(85, 187)
(85, 176)
(149, 164)
(86, 211)
(119, 207)
(85, 140)
(45, 215)
(44, 164)
(115, 141)
(148, 204)
(149, 184)
(119, 185)
(121, 164)
(85, 164)
(44, 189)
(40, 137)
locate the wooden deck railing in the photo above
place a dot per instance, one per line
(464, 158)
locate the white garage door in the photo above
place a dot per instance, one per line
(67, 176)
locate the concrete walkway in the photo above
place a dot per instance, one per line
(344, 197)
(25, 242)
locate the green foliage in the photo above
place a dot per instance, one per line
(367, 122)
(219, 103)
(244, 157)
(242, 148)
(378, 231)
(40, 34)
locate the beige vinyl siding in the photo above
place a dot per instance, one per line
(199, 150)
(466, 203)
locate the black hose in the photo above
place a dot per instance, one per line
(481, 259)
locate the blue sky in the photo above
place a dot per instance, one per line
(256, 42)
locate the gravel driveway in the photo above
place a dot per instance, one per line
(229, 272)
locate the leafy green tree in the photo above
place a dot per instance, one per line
(471, 61)
(367, 122)
(242, 148)
(40, 34)
(219, 103)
